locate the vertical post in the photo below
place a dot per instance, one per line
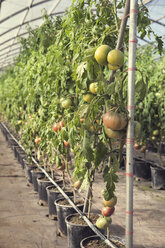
(130, 130)
(121, 33)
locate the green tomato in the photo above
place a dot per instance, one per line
(93, 88)
(155, 132)
(102, 223)
(88, 97)
(19, 122)
(115, 59)
(101, 54)
(111, 202)
(153, 138)
(66, 103)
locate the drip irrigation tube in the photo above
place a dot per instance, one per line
(107, 241)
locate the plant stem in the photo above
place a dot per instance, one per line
(44, 161)
(51, 169)
(69, 176)
(86, 203)
(90, 201)
(63, 178)
(121, 33)
(108, 232)
(115, 12)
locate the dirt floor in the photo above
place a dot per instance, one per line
(24, 224)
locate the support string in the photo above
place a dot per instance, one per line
(132, 69)
(130, 107)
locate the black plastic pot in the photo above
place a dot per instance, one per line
(21, 158)
(28, 171)
(12, 143)
(42, 184)
(122, 163)
(76, 232)
(16, 151)
(158, 177)
(2, 129)
(54, 195)
(162, 149)
(19, 154)
(6, 134)
(142, 169)
(36, 174)
(114, 239)
(62, 212)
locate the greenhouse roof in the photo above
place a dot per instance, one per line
(15, 15)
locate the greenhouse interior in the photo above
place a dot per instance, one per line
(82, 123)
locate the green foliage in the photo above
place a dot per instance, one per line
(150, 110)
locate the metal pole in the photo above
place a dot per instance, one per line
(121, 33)
(123, 25)
(130, 130)
(22, 21)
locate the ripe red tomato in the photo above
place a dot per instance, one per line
(81, 120)
(61, 124)
(37, 140)
(107, 211)
(66, 144)
(56, 127)
(136, 146)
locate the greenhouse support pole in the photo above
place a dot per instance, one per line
(121, 33)
(130, 129)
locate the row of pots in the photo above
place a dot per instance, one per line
(147, 170)
(150, 171)
(79, 235)
(152, 148)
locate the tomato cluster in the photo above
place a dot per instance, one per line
(105, 220)
(114, 58)
(57, 126)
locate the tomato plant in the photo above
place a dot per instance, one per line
(149, 111)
